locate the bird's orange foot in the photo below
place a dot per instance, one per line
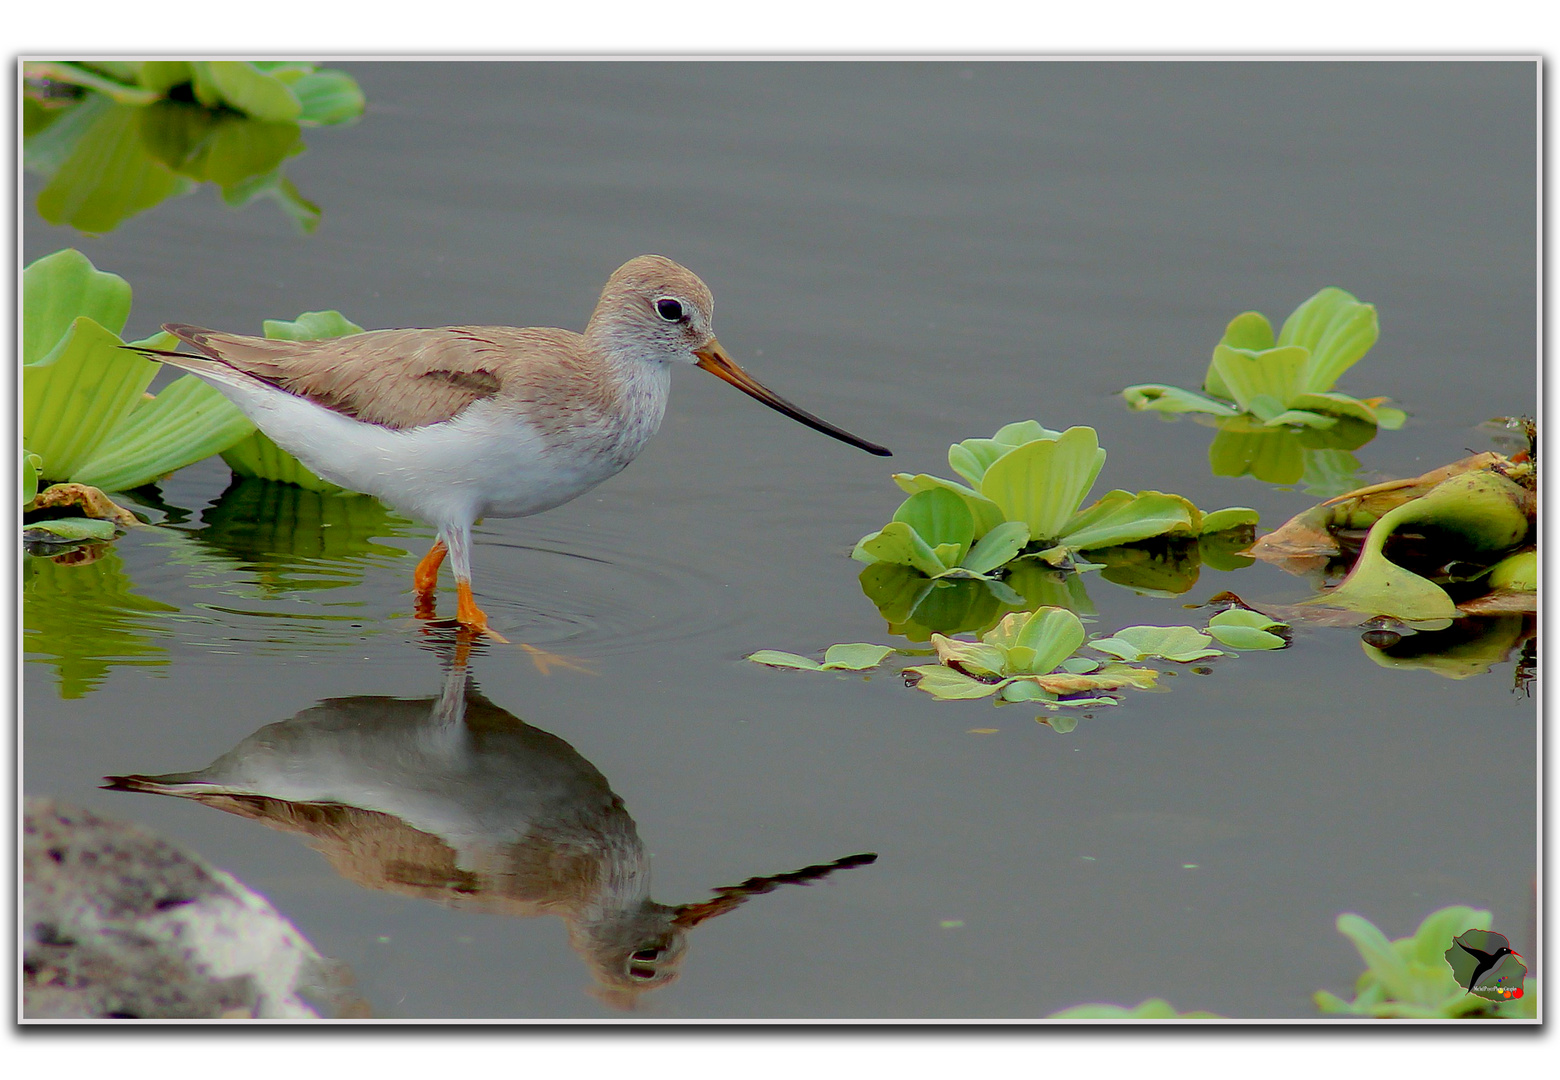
(545, 661)
(425, 579)
(468, 614)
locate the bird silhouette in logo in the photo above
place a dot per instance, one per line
(1477, 953)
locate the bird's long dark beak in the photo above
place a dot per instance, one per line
(713, 358)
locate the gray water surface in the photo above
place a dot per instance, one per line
(919, 252)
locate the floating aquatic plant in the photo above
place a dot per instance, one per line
(1242, 628)
(1411, 977)
(1464, 528)
(857, 656)
(85, 410)
(115, 138)
(1317, 459)
(1287, 380)
(1181, 644)
(1025, 498)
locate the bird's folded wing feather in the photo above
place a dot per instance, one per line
(396, 378)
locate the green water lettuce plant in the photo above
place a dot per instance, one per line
(1285, 380)
(115, 138)
(857, 656)
(85, 411)
(1410, 977)
(1028, 656)
(1024, 498)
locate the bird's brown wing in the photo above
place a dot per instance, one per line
(395, 378)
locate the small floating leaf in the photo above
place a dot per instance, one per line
(944, 682)
(1242, 628)
(775, 658)
(857, 656)
(67, 530)
(1183, 644)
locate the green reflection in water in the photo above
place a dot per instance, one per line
(117, 139)
(1317, 458)
(81, 615)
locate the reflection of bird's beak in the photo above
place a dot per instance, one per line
(713, 358)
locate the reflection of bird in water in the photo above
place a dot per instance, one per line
(456, 800)
(1486, 960)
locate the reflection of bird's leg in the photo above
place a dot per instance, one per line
(426, 579)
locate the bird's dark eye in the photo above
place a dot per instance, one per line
(670, 310)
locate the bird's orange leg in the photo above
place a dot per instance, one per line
(469, 615)
(426, 579)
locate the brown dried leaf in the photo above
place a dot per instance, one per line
(91, 502)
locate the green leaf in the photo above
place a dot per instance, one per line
(1482, 507)
(1231, 517)
(1182, 644)
(328, 97)
(1385, 964)
(775, 658)
(1173, 399)
(1518, 572)
(31, 463)
(1256, 378)
(1250, 330)
(1042, 483)
(998, 547)
(940, 518)
(1020, 690)
(857, 656)
(1335, 329)
(972, 457)
(312, 326)
(246, 88)
(987, 514)
(1335, 404)
(60, 288)
(77, 393)
(898, 543)
(1244, 637)
(1126, 521)
(1295, 418)
(1390, 418)
(971, 657)
(67, 530)
(160, 76)
(944, 682)
(188, 421)
(78, 75)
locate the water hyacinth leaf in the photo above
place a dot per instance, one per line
(998, 547)
(1173, 399)
(1261, 383)
(1146, 514)
(1043, 483)
(188, 421)
(987, 514)
(776, 658)
(1251, 331)
(1182, 644)
(1518, 572)
(1484, 508)
(60, 288)
(855, 656)
(948, 684)
(79, 392)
